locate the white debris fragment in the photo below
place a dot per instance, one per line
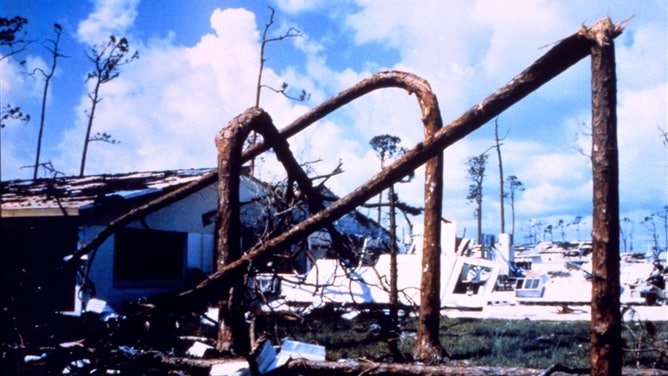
(299, 350)
(210, 317)
(101, 308)
(238, 368)
(34, 358)
(198, 349)
(269, 360)
(350, 315)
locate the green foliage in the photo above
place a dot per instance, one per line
(12, 36)
(108, 58)
(511, 343)
(476, 173)
(10, 112)
(386, 146)
(10, 30)
(472, 342)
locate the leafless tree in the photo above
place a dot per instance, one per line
(606, 321)
(652, 223)
(626, 231)
(664, 137)
(290, 33)
(52, 47)
(107, 58)
(502, 194)
(577, 222)
(387, 147)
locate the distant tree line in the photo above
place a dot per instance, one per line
(537, 230)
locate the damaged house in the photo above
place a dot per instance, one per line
(45, 221)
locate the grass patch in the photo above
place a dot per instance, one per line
(473, 342)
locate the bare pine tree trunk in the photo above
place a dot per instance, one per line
(502, 194)
(393, 338)
(606, 327)
(94, 101)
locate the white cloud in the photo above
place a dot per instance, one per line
(435, 40)
(639, 62)
(643, 157)
(111, 17)
(518, 30)
(15, 85)
(298, 6)
(166, 107)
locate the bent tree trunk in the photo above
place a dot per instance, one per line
(229, 142)
(428, 347)
(233, 331)
(560, 57)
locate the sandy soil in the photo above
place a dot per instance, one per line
(556, 312)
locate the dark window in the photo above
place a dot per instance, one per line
(143, 257)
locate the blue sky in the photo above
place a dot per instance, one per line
(199, 63)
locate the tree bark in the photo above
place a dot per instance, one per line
(394, 274)
(606, 327)
(233, 329)
(233, 333)
(428, 345)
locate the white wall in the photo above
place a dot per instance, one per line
(184, 216)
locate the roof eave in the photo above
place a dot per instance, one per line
(38, 212)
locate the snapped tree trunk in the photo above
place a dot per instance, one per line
(606, 326)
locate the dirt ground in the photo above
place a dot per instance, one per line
(555, 312)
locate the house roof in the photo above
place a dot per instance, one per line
(70, 195)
